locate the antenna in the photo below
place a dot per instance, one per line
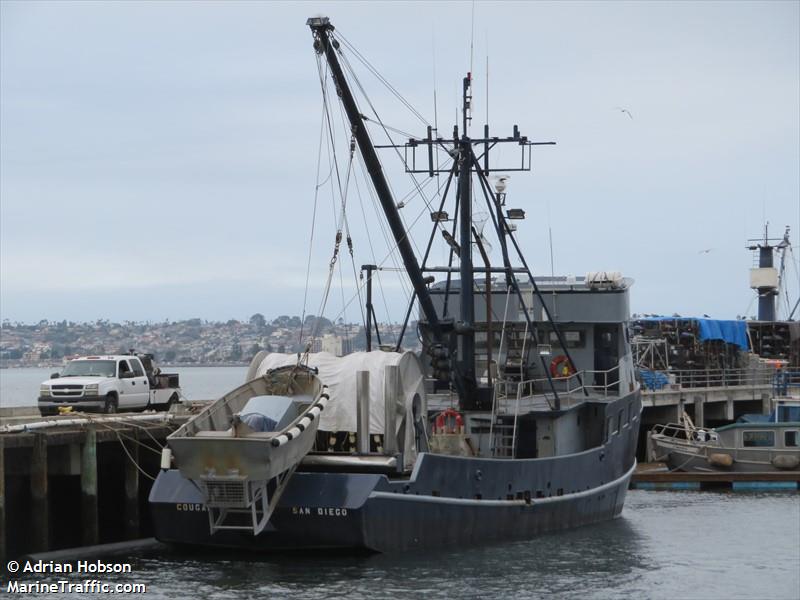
(435, 102)
(468, 80)
(472, 38)
(435, 106)
(487, 77)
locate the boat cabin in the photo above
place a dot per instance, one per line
(551, 387)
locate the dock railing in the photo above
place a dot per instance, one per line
(671, 380)
(786, 383)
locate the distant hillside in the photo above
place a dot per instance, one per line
(192, 341)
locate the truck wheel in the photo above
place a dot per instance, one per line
(111, 405)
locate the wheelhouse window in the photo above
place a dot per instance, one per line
(572, 338)
(791, 439)
(619, 421)
(758, 439)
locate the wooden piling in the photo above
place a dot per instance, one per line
(40, 510)
(2, 504)
(132, 493)
(89, 516)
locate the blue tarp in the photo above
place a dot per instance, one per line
(733, 332)
(653, 380)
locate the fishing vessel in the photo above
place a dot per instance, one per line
(519, 416)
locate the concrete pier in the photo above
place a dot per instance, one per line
(699, 412)
(76, 485)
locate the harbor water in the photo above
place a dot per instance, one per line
(689, 545)
(666, 544)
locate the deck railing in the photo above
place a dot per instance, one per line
(569, 389)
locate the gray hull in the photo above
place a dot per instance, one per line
(447, 500)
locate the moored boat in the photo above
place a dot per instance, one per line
(242, 449)
(753, 444)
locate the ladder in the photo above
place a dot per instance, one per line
(505, 413)
(236, 503)
(503, 432)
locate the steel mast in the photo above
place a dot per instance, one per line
(465, 329)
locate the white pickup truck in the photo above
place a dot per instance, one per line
(109, 384)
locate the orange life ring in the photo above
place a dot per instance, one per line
(561, 367)
(443, 420)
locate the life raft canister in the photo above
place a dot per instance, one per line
(449, 421)
(561, 367)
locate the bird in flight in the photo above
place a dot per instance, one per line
(624, 110)
(706, 251)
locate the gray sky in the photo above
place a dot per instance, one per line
(158, 160)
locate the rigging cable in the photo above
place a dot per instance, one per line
(357, 82)
(403, 283)
(343, 196)
(389, 255)
(380, 77)
(314, 216)
(340, 226)
(369, 239)
(418, 187)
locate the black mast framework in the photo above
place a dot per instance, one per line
(453, 349)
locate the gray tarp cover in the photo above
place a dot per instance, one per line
(339, 374)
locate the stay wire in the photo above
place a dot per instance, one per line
(389, 137)
(339, 218)
(386, 258)
(347, 230)
(317, 187)
(381, 78)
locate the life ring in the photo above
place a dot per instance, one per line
(445, 418)
(561, 367)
